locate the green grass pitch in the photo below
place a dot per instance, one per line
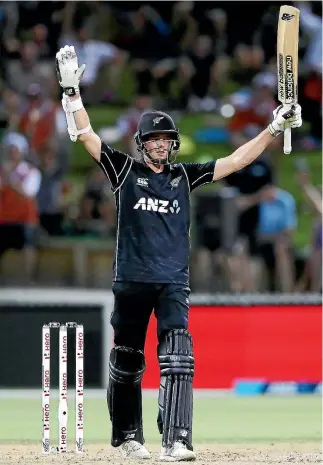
(216, 420)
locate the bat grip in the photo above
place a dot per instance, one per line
(287, 140)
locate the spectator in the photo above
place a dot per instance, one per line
(184, 32)
(40, 38)
(213, 24)
(221, 65)
(95, 54)
(198, 69)
(249, 182)
(60, 139)
(127, 123)
(97, 189)
(19, 185)
(277, 222)
(312, 93)
(246, 64)
(37, 120)
(9, 110)
(184, 26)
(9, 43)
(40, 22)
(215, 232)
(50, 197)
(154, 53)
(265, 36)
(312, 25)
(95, 215)
(254, 108)
(20, 74)
(312, 277)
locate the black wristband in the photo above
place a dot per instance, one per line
(71, 91)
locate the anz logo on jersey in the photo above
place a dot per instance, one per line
(157, 205)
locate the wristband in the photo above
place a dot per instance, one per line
(74, 105)
(71, 91)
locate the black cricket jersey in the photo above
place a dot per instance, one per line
(153, 216)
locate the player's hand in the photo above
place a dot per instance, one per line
(68, 71)
(284, 119)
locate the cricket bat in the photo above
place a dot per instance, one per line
(287, 62)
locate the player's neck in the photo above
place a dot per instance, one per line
(156, 168)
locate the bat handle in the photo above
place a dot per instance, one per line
(287, 140)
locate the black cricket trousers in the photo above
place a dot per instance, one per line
(133, 306)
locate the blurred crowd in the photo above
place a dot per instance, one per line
(183, 57)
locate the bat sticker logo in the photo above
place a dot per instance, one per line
(287, 17)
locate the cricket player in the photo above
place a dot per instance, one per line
(152, 197)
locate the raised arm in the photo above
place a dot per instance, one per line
(248, 152)
(115, 165)
(78, 124)
(90, 139)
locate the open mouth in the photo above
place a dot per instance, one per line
(159, 153)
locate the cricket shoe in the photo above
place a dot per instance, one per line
(178, 452)
(133, 450)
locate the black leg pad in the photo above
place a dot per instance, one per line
(124, 397)
(176, 361)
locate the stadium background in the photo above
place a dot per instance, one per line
(261, 338)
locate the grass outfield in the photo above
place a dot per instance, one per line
(222, 420)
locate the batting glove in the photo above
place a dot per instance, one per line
(68, 71)
(284, 119)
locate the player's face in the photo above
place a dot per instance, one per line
(158, 146)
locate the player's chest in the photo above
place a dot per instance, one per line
(163, 187)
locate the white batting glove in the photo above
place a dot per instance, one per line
(284, 119)
(68, 71)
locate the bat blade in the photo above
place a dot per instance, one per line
(287, 61)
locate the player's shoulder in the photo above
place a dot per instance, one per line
(176, 167)
(115, 153)
(106, 148)
(138, 168)
(177, 170)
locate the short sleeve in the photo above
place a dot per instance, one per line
(116, 165)
(198, 174)
(31, 183)
(290, 212)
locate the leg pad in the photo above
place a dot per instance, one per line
(176, 361)
(124, 397)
